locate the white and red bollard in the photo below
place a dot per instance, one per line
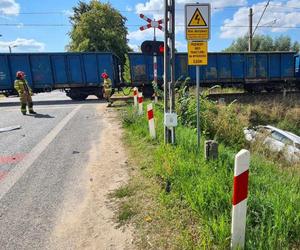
(239, 199)
(135, 96)
(140, 101)
(151, 120)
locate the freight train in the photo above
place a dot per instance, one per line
(253, 71)
(79, 73)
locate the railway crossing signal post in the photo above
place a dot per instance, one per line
(155, 25)
(197, 30)
(170, 117)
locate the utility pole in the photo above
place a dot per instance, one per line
(250, 30)
(169, 67)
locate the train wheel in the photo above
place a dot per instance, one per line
(77, 96)
(80, 97)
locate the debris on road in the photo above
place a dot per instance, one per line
(11, 128)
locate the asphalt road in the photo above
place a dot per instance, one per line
(41, 164)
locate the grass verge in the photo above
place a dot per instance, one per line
(196, 213)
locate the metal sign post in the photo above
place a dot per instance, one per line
(197, 30)
(197, 55)
(170, 119)
(198, 105)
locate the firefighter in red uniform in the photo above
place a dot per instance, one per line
(24, 92)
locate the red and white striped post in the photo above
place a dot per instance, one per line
(135, 96)
(140, 101)
(151, 120)
(239, 199)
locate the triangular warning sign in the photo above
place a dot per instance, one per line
(197, 19)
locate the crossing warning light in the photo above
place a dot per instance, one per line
(161, 48)
(153, 47)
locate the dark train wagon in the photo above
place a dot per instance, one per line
(79, 74)
(250, 70)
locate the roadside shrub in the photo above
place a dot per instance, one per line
(286, 117)
(129, 117)
(218, 122)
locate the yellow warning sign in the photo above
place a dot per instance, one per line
(197, 22)
(197, 53)
(197, 19)
(197, 34)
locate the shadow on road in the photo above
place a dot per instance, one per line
(42, 116)
(53, 102)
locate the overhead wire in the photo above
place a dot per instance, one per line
(65, 12)
(137, 25)
(261, 17)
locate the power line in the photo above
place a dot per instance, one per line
(264, 26)
(34, 25)
(138, 25)
(286, 7)
(63, 12)
(261, 16)
(60, 12)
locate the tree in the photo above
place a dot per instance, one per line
(78, 11)
(283, 43)
(241, 44)
(296, 46)
(264, 43)
(98, 27)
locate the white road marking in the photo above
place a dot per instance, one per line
(18, 171)
(39, 108)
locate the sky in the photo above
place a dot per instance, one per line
(43, 25)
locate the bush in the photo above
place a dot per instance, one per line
(225, 123)
(216, 121)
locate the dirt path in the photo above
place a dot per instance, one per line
(91, 225)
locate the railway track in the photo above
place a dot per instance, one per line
(291, 96)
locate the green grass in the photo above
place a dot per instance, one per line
(126, 212)
(273, 218)
(124, 191)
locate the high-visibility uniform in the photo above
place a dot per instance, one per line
(107, 87)
(25, 94)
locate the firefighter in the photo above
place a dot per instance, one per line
(107, 88)
(25, 93)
